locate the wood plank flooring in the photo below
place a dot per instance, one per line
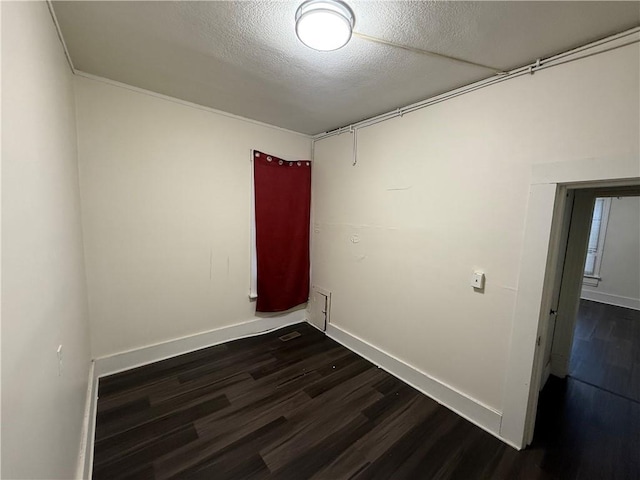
(309, 408)
(606, 348)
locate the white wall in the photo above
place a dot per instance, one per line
(443, 191)
(620, 268)
(166, 214)
(44, 300)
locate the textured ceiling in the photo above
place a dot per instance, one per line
(244, 57)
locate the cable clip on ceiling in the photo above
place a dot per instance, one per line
(533, 68)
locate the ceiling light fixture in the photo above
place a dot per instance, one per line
(324, 25)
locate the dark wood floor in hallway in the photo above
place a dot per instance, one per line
(307, 407)
(606, 348)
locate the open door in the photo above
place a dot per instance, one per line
(571, 284)
(553, 313)
(568, 251)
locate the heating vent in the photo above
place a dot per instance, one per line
(290, 336)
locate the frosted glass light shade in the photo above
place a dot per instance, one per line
(324, 24)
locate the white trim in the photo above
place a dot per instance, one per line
(122, 361)
(610, 299)
(185, 103)
(467, 407)
(60, 37)
(532, 306)
(85, 458)
(590, 281)
(585, 170)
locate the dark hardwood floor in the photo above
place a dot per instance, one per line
(606, 348)
(309, 408)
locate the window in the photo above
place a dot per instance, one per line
(282, 192)
(596, 241)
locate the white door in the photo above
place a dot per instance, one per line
(557, 282)
(571, 284)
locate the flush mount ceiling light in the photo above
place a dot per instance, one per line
(324, 24)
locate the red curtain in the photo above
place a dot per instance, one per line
(282, 203)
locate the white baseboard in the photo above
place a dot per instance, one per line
(609, 299)
(477, 413)
(119, 362)
(85, 457)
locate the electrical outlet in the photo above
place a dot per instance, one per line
(477, 280)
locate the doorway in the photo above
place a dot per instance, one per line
(589, 349)
(549, 184)
(580, 254)
(605, 351)
(588, 400)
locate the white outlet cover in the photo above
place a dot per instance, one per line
(477, 280)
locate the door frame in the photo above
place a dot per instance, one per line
(538, 265)
(570, 288)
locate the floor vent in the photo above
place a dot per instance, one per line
(290, 336)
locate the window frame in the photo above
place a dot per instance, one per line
(593, 278)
